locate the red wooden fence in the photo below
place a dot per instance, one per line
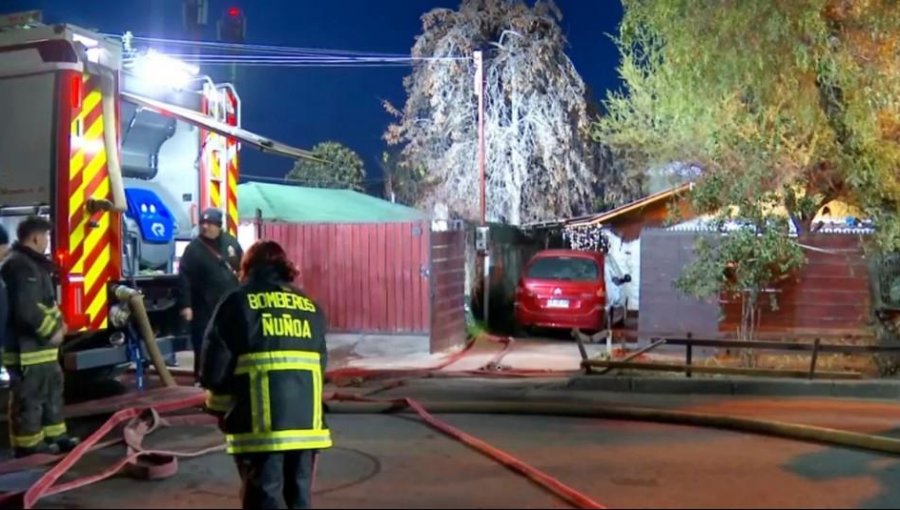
(368, 277)
(830, 293)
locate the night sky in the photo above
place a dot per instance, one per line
(303, 106)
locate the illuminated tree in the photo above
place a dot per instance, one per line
(540, 160)
(782, 104)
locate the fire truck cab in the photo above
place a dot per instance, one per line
(120, 149)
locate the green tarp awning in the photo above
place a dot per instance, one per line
(296, 204)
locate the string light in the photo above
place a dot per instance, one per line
(586, 237)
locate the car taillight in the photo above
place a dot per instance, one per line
(589, 295)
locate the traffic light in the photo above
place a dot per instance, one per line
(233, 26)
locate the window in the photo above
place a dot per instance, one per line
(564, 268)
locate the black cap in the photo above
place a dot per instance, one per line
(4, 236)
(212, 216)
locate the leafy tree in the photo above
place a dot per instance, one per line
(784, 106)
(336, 166)
(539, 154)
(403, 183)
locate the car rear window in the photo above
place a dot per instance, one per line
(564, 268)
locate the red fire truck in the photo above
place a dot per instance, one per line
(120, 149)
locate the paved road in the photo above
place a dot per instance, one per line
(397, 462)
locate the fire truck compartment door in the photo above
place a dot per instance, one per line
(198, 119)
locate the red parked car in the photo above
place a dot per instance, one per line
(562, 289)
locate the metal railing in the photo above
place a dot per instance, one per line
(815, 347)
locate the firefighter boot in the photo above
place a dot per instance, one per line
(65, 444)
(40, 448)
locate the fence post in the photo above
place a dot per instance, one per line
(815, 357)
(689, 355)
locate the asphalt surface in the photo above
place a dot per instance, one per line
(394, 462)
(398, 462)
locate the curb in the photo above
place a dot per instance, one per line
(875, 389)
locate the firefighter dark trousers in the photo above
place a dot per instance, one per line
(276, 480)
(36, 405)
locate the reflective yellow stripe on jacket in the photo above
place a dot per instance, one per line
(257, 366)
(50, 323)
(276, 360)
(281, 440)
(31, 358)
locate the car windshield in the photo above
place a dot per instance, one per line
(564, 268)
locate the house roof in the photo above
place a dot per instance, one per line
(637, 205)
(296, 204)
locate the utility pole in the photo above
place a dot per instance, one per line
(479, 91)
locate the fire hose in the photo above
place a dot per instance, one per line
(349, 376)
(145, 463)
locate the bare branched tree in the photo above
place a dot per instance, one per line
(540, 158)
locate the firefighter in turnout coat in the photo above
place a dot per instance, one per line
(36, 330)
(263, 364)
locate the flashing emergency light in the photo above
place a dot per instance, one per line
(164, 70)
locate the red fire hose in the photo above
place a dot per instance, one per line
(493, 368)
(554, 486)
(149, 464)
(154, 464)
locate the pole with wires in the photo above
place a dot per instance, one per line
(479, 91)
(478, 57)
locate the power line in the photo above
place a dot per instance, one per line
(310, 64)
(288, 62)
(322, 61)
(300, 64)
(289, 52)
(263, 48)
(316, 58)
